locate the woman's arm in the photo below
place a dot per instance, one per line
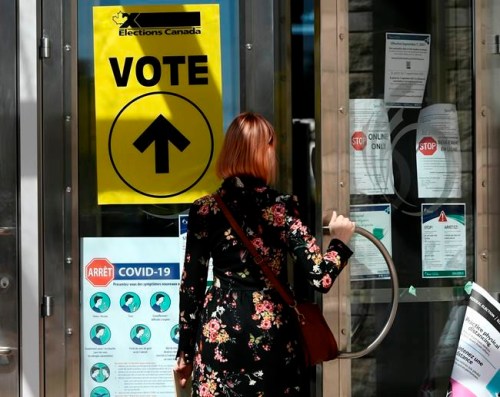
(321, 268)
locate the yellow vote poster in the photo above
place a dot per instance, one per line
(158, 102)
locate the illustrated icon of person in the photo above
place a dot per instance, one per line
(139, 331)
(159, 298)
(100, 334)
(140, 334)
(129, 299)
(160, 302)
(130, 302)
(99, 302)
(99, 372)
(174, 333)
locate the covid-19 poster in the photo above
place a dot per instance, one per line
(368, 263)
(129, 338)
(443, 240)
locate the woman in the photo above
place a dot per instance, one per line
(238, 338)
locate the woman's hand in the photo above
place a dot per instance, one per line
(341, 227)
(183, 370)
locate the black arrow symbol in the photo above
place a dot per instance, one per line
(160, 132)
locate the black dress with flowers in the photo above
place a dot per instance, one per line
(238, 333)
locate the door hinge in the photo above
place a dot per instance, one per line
(47, 306)
(44, 47)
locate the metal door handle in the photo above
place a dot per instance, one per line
(7, 230)
(395, 297)
(5, 351)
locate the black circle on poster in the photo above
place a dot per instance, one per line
(124, 180)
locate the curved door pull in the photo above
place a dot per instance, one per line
(5, 353)
(395, 297)
(7, 231)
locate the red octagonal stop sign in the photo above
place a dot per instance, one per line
(358, 140)
(99, 272)
(427, 146)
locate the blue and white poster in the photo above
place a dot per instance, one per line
(129, 314)
(367, 263)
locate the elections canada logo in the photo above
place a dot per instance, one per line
(157, 23)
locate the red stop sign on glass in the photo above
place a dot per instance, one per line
(427, 146)
(358, 140)
(99, 272)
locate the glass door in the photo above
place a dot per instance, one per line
(412, 184)
(173, 71)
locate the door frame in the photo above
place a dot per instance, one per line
(58, 201)
(332, 122)
(26, 63)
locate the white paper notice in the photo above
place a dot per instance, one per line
(439, 161)
(476, 370)
(406, 69)
(367, 263)
(443, 240)
(130, 304)
(371, 152)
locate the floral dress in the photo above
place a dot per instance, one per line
(238, 333)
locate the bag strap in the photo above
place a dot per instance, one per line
(258, 259)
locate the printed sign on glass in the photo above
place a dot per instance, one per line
(158, 101)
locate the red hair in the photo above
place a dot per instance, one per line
(248, 149)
